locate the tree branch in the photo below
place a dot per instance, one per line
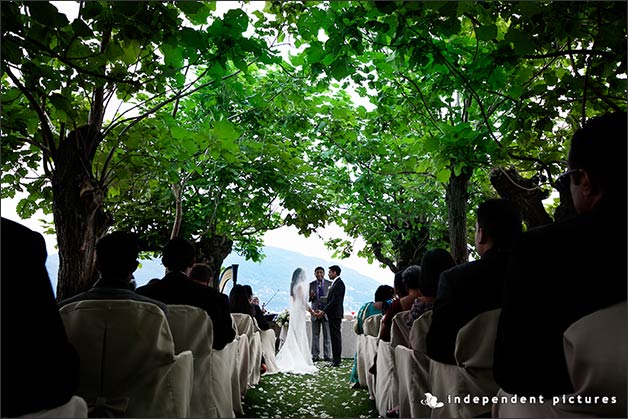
(41, 113)
(46, 51)
(570, 52)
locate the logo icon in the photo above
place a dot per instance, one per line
(432, 401)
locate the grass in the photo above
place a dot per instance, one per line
(326, 394)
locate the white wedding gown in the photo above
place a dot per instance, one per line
(294, 356)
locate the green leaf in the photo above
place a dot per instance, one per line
(196, 12)
(237, 19)
(523, 44)
(81, 29)
(340, 69)
(486, 33)
(179, 133)
(443, 175)
(173, 55)
(225, 130)
(60, 102)
(192, 39)
(130, 51)
(46, 14)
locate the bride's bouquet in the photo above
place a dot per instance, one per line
(283, 318)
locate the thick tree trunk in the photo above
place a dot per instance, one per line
(524, 193)
(213, 250)
(457, 213)
(78, 213)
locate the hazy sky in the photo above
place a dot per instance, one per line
(284, 238)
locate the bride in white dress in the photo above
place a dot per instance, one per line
(294, 356)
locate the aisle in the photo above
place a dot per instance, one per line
(323, 395)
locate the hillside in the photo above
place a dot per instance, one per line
(270, 276)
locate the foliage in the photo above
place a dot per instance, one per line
(471, 86)
(221, 137)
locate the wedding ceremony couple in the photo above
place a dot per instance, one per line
(294, 356)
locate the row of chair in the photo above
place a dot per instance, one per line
(135, 362)
(421, 387)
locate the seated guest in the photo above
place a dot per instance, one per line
(383, 293)
(239, 301)
(201, 273)
(116, 260)
(39, 365)
(471, 288)
(411, 277)
(576, 266)
(434, 262)
(177, 288)
(262, 323)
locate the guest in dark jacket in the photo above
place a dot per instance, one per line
(39, 365)
(116, 260)
(467, 290)
(567, 270)
(177, 288)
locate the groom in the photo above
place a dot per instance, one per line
(334, 311)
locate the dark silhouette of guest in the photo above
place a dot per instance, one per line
(39, 365)
(177, 288)
(471, 288)
(411, 277)
(564, 271)
(116, 260)
(434, 262)
(239, 301)
(201, 273)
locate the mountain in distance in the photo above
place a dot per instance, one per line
(270, 279)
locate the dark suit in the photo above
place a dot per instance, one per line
(335, 312)
(558, 274)
(464, 292)
(322, 323)
(112, 290)
(177, 288)
(39, 365)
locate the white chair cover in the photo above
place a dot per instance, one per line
(192, 329)
(413, 368)
(223, 365)
(268, 350)
(246, 326)
(386, 381)
(400, 332)
(361, 360)
(371, 325)
(128, 364)
(473, 374)
(596, 347)
(74, 408)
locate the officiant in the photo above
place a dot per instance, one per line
(319, 288)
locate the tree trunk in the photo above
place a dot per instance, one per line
(213, 250)
(411, 249)
(457, 213)
(524, 193)
(78, 214)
